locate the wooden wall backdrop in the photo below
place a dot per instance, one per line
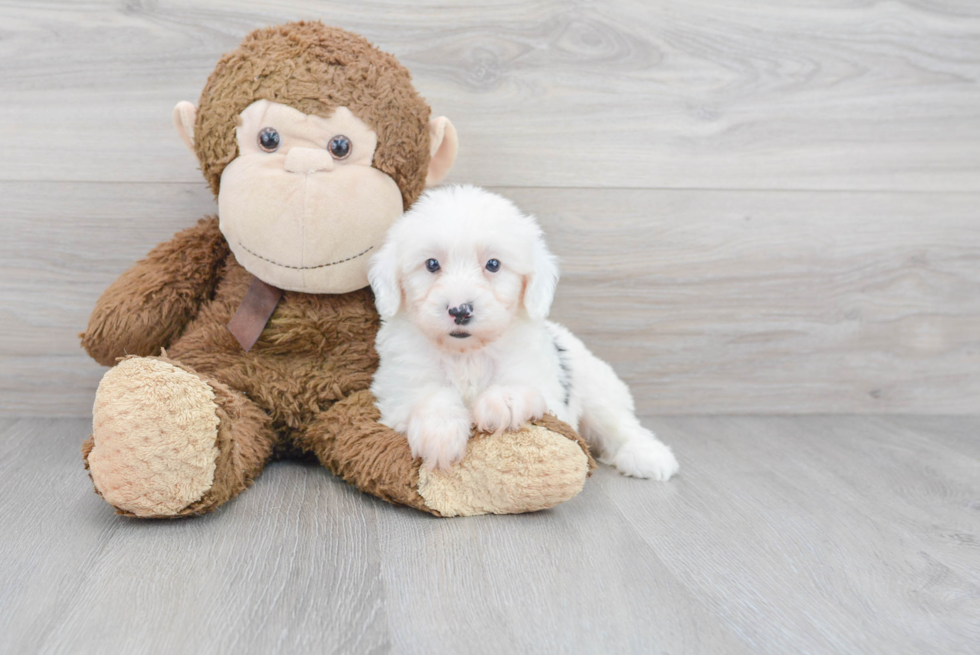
(770, 206)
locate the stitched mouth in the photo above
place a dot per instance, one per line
(304, 268)
(459, 335)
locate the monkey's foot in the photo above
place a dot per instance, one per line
(510, 473)
(154, 438)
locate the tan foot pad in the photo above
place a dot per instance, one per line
(509, 473)
(155, 429)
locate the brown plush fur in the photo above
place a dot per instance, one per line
(303, 387)
(282, 396)
(315, 69)
(350, 442)
(152, 302)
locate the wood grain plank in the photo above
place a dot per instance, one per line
(721, 302)
(705, 302)
(575, 579)
(962, 436)
(823, 534)
(290, 567)
(781, 534)
(629, 93)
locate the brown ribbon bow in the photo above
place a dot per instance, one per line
(257, 306)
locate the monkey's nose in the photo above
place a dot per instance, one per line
(462, 314)
(308, 160)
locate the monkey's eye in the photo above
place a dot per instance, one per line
(493, 265)
(432, 265)
(339, 147)
(269, 139)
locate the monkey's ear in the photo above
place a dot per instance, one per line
(383, 276)
(443, 146)
(184, 116)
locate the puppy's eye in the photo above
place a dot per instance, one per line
(493, 265)
(339, 147)
(432, 265)
(269, 139)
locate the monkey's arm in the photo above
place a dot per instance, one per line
(150, 304)
(510, 473)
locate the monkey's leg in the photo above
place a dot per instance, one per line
(169, 442)
(539, 467)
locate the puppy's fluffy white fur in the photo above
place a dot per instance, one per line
(496, 363)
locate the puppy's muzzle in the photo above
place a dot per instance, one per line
(462, 314)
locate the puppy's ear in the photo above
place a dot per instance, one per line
(540, 290)
(383, 276)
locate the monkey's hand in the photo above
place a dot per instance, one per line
(150, 304)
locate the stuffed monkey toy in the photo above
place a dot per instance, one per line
(250, 336)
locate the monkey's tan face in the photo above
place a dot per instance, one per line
(301, 206)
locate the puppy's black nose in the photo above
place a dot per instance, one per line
(462, 314)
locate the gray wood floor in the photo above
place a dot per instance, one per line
(781, 535)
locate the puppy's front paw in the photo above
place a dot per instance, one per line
(646, 458)
(508, 408)
(438, 433)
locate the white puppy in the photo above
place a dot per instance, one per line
(463, 285)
